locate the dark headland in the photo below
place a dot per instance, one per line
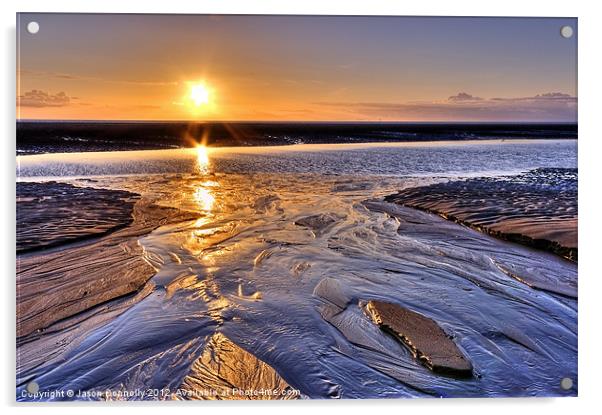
(34, 137)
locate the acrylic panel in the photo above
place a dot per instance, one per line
(295, 207)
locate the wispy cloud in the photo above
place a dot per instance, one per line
(551, 106)
(548, 96)
(74, 77)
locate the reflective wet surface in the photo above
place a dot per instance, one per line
(271, 225)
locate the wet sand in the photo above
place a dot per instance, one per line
(537, 209)
(96, 271)
(423, 336)
(226, 371)
(499, 256)
(67, 295)
(53, 214)
(108, 263)
(225, 281)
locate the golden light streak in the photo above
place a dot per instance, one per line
(204, 198)
(201, 156)
(202, 159)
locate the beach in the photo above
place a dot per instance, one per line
(199, 272)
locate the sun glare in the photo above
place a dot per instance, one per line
(202, 156)
(199, 94)
(202, 159)
(204, 198)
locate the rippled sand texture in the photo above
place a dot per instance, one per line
(52, 214)
(538, 208)
(275, 271)
(225, 371)
(423, 336)
(62, 282)
(248, 266)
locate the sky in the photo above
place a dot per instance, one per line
(295, 68)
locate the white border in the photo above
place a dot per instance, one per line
(590, 136)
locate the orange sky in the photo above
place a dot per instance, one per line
(142, 67)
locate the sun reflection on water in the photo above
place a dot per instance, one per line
(204, 198)
(202, 159)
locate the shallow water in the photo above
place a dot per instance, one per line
(244, 268)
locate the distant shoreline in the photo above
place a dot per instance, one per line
(39, 137)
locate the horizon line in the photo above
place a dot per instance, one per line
(71, 120)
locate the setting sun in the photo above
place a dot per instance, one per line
(199, 94)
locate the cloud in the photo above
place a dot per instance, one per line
(545, 107)
(548, 96)
(463, 96)
(74, 77)
(553, 95)
(39, 99)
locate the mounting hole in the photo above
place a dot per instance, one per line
(33, 387)
(33, 27)
(566, 32)
(566, 383)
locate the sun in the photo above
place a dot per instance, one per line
(199, 94)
